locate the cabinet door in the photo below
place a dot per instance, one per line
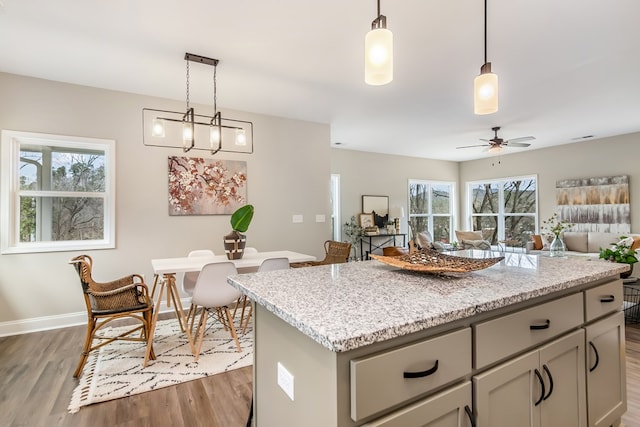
(562, 365)
(446, 409)
(606, 371)
(505, 395)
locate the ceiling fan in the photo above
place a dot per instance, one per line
(496, 144)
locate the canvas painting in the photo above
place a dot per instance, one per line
(595, 204)
(206, 187)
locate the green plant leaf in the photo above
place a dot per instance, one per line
(241, 218)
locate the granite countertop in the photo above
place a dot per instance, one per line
(346, 306)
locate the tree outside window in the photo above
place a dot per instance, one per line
(431, 208)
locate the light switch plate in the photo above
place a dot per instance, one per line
(298, 219)
(320, 218)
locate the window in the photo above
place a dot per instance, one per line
(431, 208)
(505, 209)
(58, 193)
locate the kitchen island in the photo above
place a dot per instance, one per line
(368, 344)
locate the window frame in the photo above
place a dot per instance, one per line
(501, 215)
(430, 215)
(10, 192)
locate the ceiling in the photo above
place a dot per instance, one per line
(567, 69)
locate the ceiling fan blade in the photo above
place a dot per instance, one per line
(477, 145)
(486, 140)
(522, 139)
(516, 144)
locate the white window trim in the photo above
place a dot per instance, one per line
(9, 192)
(452, 204)
(501, 215)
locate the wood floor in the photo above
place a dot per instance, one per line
(36, 384)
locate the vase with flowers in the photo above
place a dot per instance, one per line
(556, 226)
(622, 252)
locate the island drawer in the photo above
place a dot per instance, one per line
(603, 299)
(392, 377)
(506, 335)
(445, 408)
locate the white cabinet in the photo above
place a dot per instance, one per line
(451, 408)
(545, 387)
(606, 387)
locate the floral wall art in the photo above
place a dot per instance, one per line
(206, 187)
(595, 204)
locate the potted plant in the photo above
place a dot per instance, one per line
(235, 241)
(621, 252)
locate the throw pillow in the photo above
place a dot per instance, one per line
(547, 238)
(424, 240)
(438, 246)
(537, 242)
(476, 244)
(468, 235)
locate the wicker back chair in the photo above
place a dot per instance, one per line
(335, 253)
(127, 297)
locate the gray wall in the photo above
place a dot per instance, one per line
(600, 157)
(289, 173)
(376, 174)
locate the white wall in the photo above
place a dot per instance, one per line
(363, 173)
(599, 157)
(289, 173)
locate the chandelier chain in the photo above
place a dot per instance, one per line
(187, 85)
(215, 90)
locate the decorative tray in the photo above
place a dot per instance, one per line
(434, 262)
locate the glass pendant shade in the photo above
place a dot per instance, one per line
(214, 136)
(157, 128)
(378, 66)
(485, 93)
(241, 137)
(187, 134)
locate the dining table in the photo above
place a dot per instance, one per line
(165, 270)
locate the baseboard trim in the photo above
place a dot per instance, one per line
(45, 323)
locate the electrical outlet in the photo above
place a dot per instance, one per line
(285, 380)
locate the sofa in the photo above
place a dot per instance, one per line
(583, 243)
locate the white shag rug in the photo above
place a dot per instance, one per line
(116, 371)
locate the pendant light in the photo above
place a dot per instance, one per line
(378, 56)
(162, 128)
(485, 86)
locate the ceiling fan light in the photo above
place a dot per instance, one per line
(495, 149)
(485, 91)
(378, 63)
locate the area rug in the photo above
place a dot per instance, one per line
(116, 371)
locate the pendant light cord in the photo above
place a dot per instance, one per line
(215, 90)
(485, 31)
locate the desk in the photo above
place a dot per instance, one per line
(168, 267)
(379, 245)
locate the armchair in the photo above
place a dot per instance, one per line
(127, 297)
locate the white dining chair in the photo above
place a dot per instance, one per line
(269, 264)
(189, 282)
(215, 295)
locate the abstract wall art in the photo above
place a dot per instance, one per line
(595, 204)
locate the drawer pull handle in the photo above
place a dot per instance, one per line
(546, 325)
(421, 374)
(609, 298)
(472, 419)
(593, 368)
(542, 390)
(546, 369)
